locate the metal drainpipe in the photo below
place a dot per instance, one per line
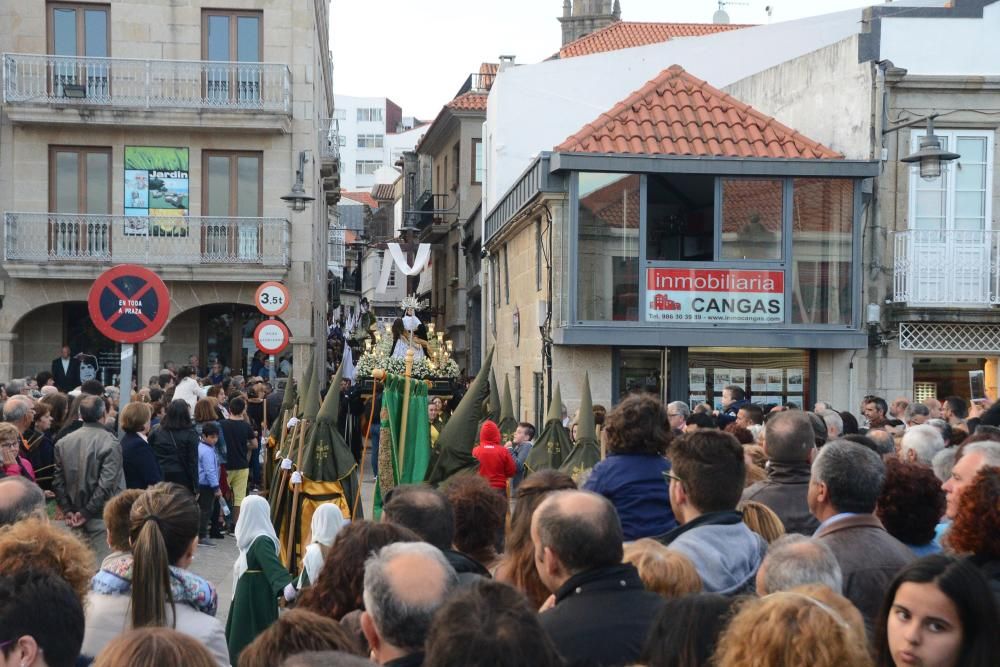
(877, 245)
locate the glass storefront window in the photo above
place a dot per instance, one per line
(822, 245)
(751, 219)
(608, 258)
(640, 371)
(681, 218)
(769, 376)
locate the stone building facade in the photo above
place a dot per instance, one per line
(163, 134)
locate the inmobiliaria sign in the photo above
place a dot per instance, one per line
(715, 296)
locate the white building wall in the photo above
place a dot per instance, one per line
(944, 46)
(533, 108)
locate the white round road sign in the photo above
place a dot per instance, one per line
(271, 336)
(271, 298)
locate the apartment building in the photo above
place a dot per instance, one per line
(163, 134)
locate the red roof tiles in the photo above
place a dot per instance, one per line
(626, 34)
(679, 114)
(488, 74)
(469, 102)
(360, 197)
(384, 192)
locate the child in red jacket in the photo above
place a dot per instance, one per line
(495, 463)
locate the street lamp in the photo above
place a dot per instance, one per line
(297, 197)
(930, 155)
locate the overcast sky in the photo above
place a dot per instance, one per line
(419, 52)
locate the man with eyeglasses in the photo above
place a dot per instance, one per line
(677, 414)
(706, 481)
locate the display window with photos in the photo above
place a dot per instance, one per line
(708, 250)
(768, 376)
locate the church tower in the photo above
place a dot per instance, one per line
(582, 17)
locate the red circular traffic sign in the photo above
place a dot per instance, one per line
(271, 298)
(128, 304)
(271, 336)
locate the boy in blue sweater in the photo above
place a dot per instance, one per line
(208, 479)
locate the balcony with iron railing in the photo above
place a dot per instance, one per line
(329, 139)
(947, 269)
(130, 84)
(49, 245)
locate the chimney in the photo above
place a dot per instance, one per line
(505, 62)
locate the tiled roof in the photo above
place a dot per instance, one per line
(360, 197)
(679, 114)
(384, 192)
(626, 34)
(469, 102)
(488, 74)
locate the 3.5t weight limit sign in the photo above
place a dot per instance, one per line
(128, 304)
(271, 298)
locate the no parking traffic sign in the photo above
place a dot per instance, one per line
(128, 304)
(271, 336)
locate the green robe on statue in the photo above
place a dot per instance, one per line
(255, 604)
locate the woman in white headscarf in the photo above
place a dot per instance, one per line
(259, 577)
(326, 523)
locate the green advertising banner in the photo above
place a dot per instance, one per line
(156, 191)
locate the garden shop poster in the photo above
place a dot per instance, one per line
(156, 191)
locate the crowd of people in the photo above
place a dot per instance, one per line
(730, 538)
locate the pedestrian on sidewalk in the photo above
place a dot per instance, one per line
(208, 481)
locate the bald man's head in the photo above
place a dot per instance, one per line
(405, 583)
(20, 499)
(579, 527)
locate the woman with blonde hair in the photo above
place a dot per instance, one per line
(762, 520)
(154, 647)
(154, 588)
(668, 573)
(518, 565)
(808, 625)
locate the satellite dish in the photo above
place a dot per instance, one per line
(720, 17)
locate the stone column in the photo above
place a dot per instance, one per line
(150, 359)
(303, 349)
(7, 355)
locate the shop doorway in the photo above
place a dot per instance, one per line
(938, 377)
(227, 336)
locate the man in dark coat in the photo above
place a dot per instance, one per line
(66, 371)
(600, 611)
(790, 445)
(847, 479)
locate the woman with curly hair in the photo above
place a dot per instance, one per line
(518, 565)
(479, 517)
(637, 433)
(976, 529)
(938, 612)
(911, 505)
(34, 544)
(338, 590)
(808, 625)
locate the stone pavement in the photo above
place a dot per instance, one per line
(216, 563)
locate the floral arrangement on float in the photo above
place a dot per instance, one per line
(431, 352)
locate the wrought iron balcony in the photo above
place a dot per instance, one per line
(129, 83)
(329, 139)
(189, 241)
(947, 268)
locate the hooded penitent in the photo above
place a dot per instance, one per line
(460, 435)
(552, 445)
(586, 452)
(404, 448)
